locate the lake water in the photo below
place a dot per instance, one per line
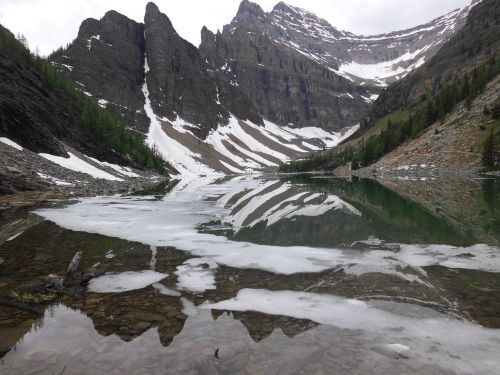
(262, 275)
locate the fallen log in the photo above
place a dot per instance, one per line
(21, 306)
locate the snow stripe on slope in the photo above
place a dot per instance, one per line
(183, 159)
(78, 165)
(8, 142)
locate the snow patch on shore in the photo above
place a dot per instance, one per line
(10, 143)
(78, 165)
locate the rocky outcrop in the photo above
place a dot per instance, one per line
(178, 80)
(106, 60)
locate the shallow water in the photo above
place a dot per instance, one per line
(259, 275)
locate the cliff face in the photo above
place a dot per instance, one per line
(178, 80)
(285, 85)
(106, 61)
(288, 66)
(111, 58)
(297, 68)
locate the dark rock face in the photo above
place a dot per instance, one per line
(106, 59)
(285, 66)
(178, 80)
(284, 85)
(289, 62)
(37, 116)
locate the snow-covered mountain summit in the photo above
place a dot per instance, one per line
(372, 60)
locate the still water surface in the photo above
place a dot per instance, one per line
(259, 275)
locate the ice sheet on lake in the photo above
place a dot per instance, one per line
(448, 343)
(174, 220)
(125, 281)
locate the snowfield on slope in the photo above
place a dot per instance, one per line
(238, 147)
(78, 165)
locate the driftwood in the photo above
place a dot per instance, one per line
(21, 306)
(54, 284)
(75, 262)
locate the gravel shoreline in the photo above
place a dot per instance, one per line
(27, 178)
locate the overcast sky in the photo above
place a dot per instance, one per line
(48, 24)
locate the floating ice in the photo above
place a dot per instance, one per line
(196, 274)
(125, 281)
(162, 289)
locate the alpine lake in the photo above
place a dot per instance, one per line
(257, 275)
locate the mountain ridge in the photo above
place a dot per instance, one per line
(441, 118)
(240, 75)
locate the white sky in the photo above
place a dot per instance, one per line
(48, 24)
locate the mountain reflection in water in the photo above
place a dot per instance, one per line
(263, 275)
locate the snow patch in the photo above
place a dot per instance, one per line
(10, 143)
(162, 289)
(78, 165)
(55, 180)
(125, 171)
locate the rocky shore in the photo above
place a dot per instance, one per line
(27, 178)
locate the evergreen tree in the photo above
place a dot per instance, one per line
(488, 156)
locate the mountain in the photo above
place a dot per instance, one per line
(271, 87)
(47, 125)
(468, 65)
(299, 69)
(375, 60)
(442, 117)
(471, 46)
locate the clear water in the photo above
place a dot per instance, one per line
(259, 275)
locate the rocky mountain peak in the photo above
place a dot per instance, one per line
(114, 15)
(152, 8)
(248, 8)
(89, 26)
(292, 11)
(156, 20)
